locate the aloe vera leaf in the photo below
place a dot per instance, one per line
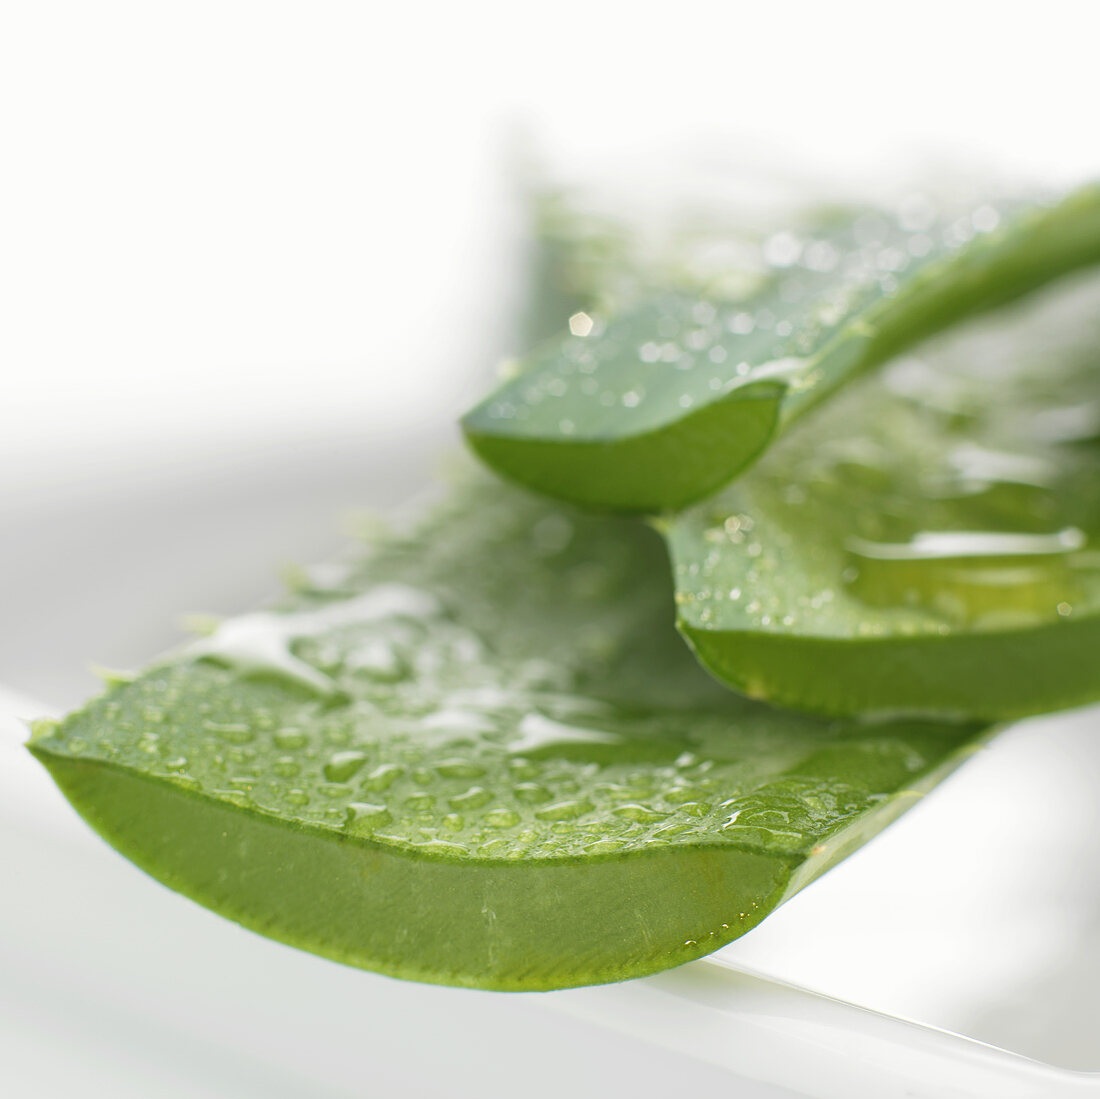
(927, 543)
(674, 397)
(590, 257)
(575, 258)
(486, 760)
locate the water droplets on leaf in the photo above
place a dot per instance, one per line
(344, 765)
(564, 810)
(365, 817)
(537, 732)
(260, 643)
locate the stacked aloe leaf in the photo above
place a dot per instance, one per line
(803, 507)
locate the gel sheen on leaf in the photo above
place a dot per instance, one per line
(928, 543)
(678, 394)
(485, 759)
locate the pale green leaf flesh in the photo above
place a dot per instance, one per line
(927, 543)
(673, 397)
(484, 758)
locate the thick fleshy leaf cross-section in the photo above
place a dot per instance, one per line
(483, 758)
(928, 543)
(671, 399)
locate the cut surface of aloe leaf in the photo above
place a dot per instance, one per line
(929, 542)
(484, 759)
(666, 402)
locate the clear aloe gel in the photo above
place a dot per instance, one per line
(484, 758)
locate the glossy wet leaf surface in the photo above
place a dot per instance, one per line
(929, 542)
(482, 756)
(667, 401)
(596, 254)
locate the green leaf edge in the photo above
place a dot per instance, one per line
(638, 473)
(983, 676)
(175, 819)
(674, 463)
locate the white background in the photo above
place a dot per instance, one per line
(226, 220)
(255, 258)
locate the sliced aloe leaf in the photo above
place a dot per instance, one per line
(486, 760)
(671, 399)
(929, 542)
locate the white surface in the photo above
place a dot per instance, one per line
(254, 258)
(222, 220)
(978, 912)
(112, 984)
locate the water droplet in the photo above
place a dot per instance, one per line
(642, 814)
(343, 765)
(474, 798)
(682, 795)
(580, 324)
(502, 818)
(379, 659)
(365, 816)
(695, 808)
(234, 732)
(289, 739)
(459, 768)
(383, 777)
(458, 721)
(260, 643)
(604, 846)
(782, 250)
(531, 792)
(565, 810)
(442, 847)
(985, 219)
(234, 797)
(537, 731)
(972, 577)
